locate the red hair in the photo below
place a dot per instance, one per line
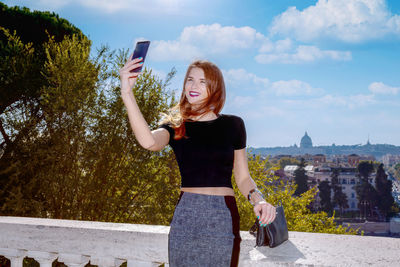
(214, 102)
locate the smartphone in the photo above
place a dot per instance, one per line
(140, 51)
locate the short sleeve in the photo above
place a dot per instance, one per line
(171, 130)
(240, 134)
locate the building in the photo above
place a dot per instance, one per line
(389, 160)
(353, 160)
(319, 159)
(306, 141)
(347, 179)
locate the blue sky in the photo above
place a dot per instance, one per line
(326, 67)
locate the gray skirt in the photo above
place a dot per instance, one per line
(204, 231)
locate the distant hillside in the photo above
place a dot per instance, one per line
(377, 150)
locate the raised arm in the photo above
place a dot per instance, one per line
(262, 209)
(154, 140)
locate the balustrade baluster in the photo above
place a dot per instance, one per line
(16, 256)
(45, 259)
(73, 260)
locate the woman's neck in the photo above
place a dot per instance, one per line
(205, 117)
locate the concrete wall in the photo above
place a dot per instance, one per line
(110, 244)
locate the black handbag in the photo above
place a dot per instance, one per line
(273, 234)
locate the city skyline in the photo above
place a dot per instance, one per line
(298, 142)
(306, 147)
(326, 67)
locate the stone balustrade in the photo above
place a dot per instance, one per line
(75, 243)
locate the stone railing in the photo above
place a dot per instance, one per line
(75, 243)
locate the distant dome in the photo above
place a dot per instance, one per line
(305, 141)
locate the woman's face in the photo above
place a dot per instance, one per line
(196, 86)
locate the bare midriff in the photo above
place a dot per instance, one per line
(219, 191)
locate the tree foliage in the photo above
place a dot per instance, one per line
(365, 168)
(23, 34)
(301, 179)
(366, 193)
(34, 26)
(79, 158)
(325, 196)
(384, 191)
(339, 197)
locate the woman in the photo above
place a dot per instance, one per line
(208, 145)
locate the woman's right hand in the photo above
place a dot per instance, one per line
(128, 79)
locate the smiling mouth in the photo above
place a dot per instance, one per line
(193, 94)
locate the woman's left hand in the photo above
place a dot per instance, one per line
(265, 213)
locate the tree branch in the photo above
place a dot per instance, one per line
(5, 136)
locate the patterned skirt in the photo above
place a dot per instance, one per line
(204, 231)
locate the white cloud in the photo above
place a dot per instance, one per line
(381, 88)
(241, 101)
(204, 40)
(360, 100)
(279, 46)
(350, 102)
(349, 21)
(293, 88)
(173, 50)
(219, 38)
(240, 77)
(302, 54)
(262, 112)
(272, 111)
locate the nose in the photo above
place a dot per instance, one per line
(193, 85)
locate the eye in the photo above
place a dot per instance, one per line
(203, 82)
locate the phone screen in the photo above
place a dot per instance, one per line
(140, 51)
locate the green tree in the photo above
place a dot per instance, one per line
(298, 216)
(339, 197)
(301, 178)
(81, 160)
(366, 193)
(384, 191)
(22, 57)
(325, 196)
(365, 168)
(33, 26)
(20, 81)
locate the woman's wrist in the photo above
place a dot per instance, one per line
(127, 94)
(255, 197)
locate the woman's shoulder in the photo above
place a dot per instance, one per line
(232, 117)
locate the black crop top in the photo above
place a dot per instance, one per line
(205, 158)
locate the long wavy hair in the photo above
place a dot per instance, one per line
(181, 112)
